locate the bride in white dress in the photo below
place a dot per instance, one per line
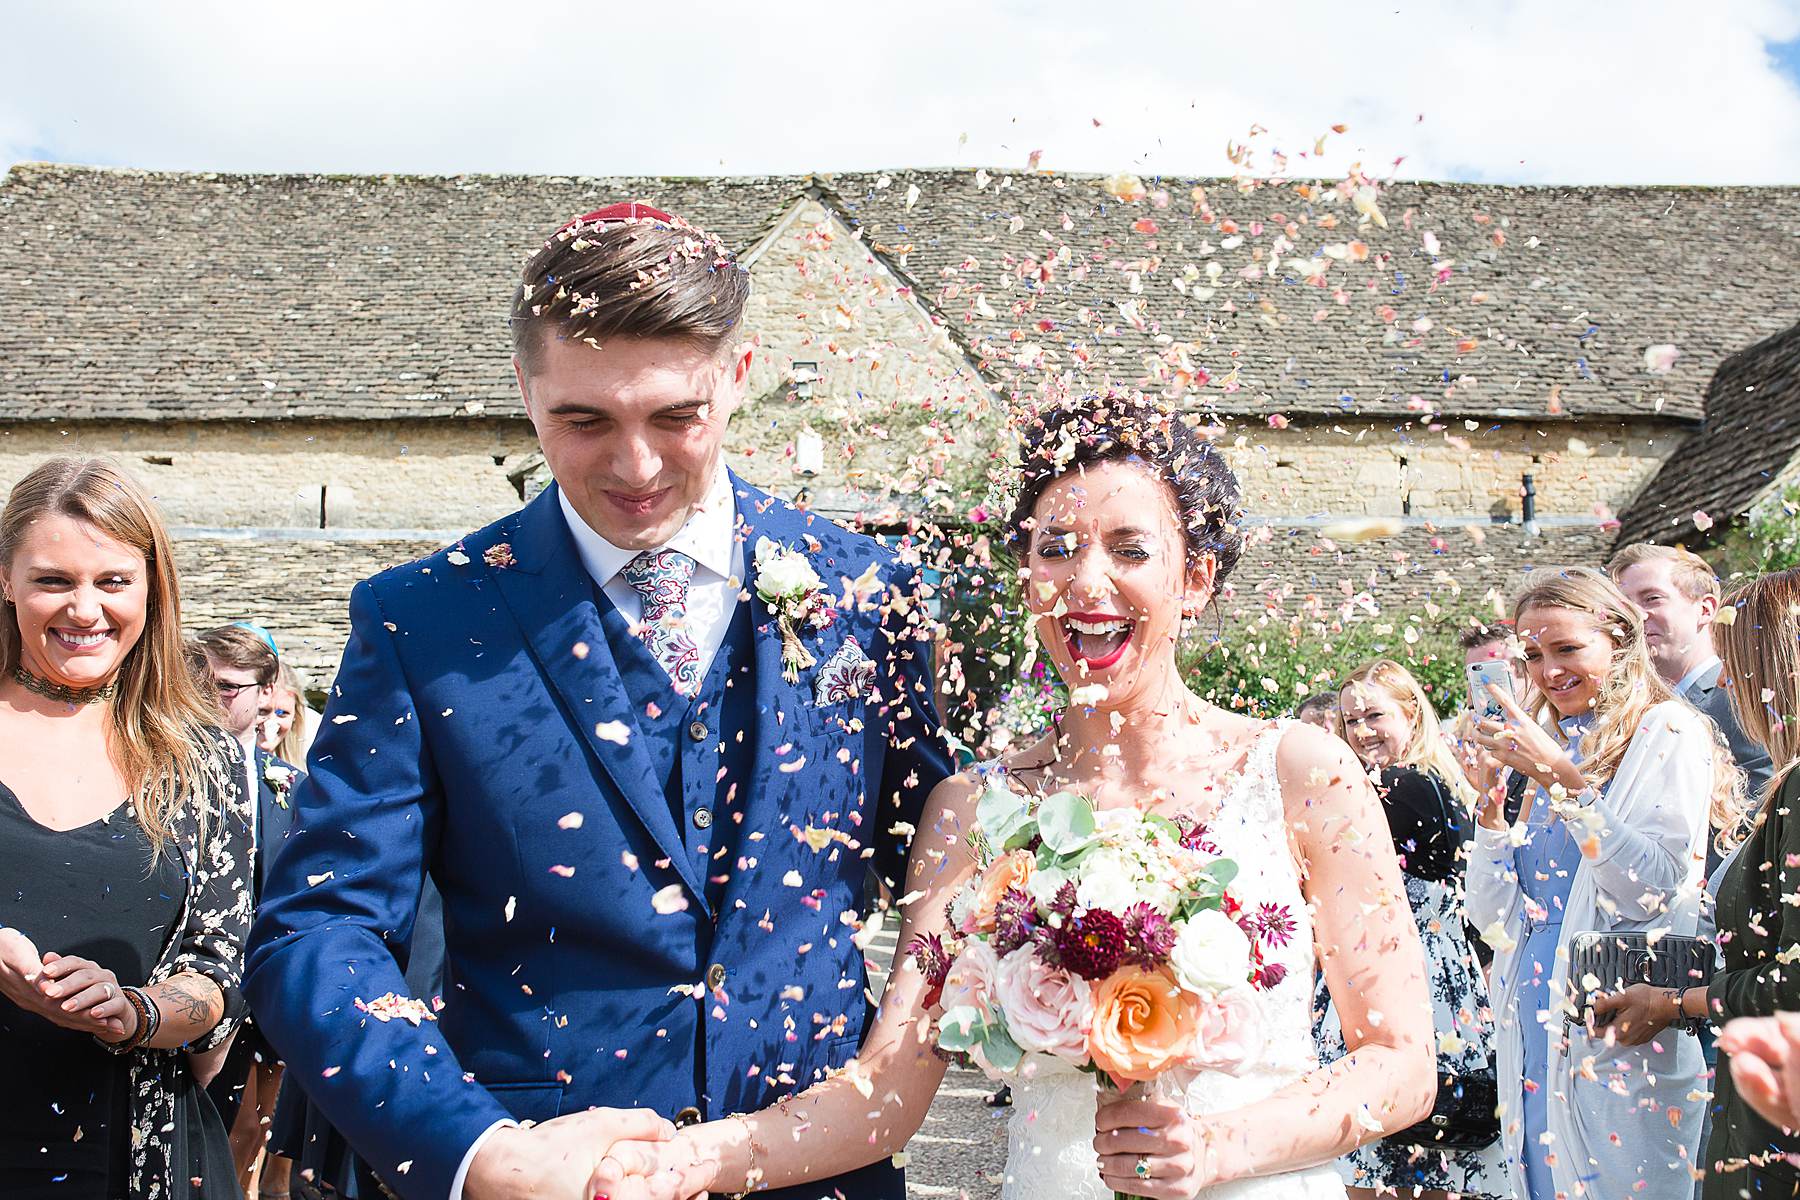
(1125, 527)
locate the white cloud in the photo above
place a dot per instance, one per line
(1528, 91)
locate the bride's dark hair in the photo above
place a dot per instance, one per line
(1069, 435)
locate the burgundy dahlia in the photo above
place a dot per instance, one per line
(1015, 916)
(1091, 944)
(1270, 974)
(1149, 937)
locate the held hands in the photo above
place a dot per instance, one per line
(1765, 1065)
(75, 993)
(606, 1152)
(1522, 744)
(1177, 1157)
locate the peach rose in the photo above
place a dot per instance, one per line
(1143, 1024)
(1011, 870)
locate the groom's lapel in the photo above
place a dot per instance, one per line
(761, 515)
(552, 599)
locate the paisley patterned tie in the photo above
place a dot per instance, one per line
(661, 577)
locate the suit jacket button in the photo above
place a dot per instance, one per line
(715, 976)
(687, 1116)
(697, 731)
(703, 818)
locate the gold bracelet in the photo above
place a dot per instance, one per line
(753, 1174)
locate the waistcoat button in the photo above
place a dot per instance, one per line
(703, 818)
(697, 731)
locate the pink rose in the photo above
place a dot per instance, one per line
(1047, 1009)
(1229, 1033)
(971, 977)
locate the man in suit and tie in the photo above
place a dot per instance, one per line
(647, 735)
(241, 665)
(1679, 596)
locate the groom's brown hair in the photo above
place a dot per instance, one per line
(628, 271)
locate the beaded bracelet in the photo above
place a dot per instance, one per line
(149, 1020)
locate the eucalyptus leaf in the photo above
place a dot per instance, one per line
(1165, 824)
(1066, 822)
(961, 1029)
(1222, 870)
(1004, 817)
(998, 1047)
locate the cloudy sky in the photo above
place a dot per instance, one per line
(1535, 91)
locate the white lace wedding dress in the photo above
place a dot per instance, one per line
(1050, 1150)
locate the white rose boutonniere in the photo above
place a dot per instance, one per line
(281, 780)
(796, 595)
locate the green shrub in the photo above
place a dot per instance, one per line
(1265, 670)
(1768, 541)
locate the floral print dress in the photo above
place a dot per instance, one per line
(212, 833)
(1430, 827)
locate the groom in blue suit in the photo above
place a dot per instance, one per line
(646, 761)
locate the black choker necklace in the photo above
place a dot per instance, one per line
(68, 695)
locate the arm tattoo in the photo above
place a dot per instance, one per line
(192, 1000)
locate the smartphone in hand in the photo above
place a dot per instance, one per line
(1482, 675)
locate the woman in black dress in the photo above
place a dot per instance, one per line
(1388, 720)
(124, 857)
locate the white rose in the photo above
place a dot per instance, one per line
(961, 905)
(1211, 953)
(1043, 885)
(1159, 894)
(1108, 880)
(785, 573)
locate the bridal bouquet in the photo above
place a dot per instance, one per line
(1109, 940)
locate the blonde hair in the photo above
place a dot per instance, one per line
(1692, 575)
(1631, 687)
(292, 747)
(1761, 656)
(159, 717)
(1426, 749)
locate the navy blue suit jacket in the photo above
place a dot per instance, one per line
(471, 716)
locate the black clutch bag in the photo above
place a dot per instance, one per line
(1465, 1115)
(1611, 962)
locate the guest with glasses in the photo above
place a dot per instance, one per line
(243, 664)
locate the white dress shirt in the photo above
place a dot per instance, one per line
(709, 537)
(1693, 676)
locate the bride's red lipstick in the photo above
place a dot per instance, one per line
(1073, 638)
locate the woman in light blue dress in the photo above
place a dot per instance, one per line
(1612, 841)
(1546, 867)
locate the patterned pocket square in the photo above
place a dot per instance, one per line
(847, 675)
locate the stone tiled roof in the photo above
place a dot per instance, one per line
(144, 295)
(1751, 435)
(155, 295)
(1583, 281)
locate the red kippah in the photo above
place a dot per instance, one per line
(627, 210)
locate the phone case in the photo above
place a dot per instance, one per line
(1610, 962)
(1484, 704)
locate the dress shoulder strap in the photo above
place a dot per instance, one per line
(1261, 779)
